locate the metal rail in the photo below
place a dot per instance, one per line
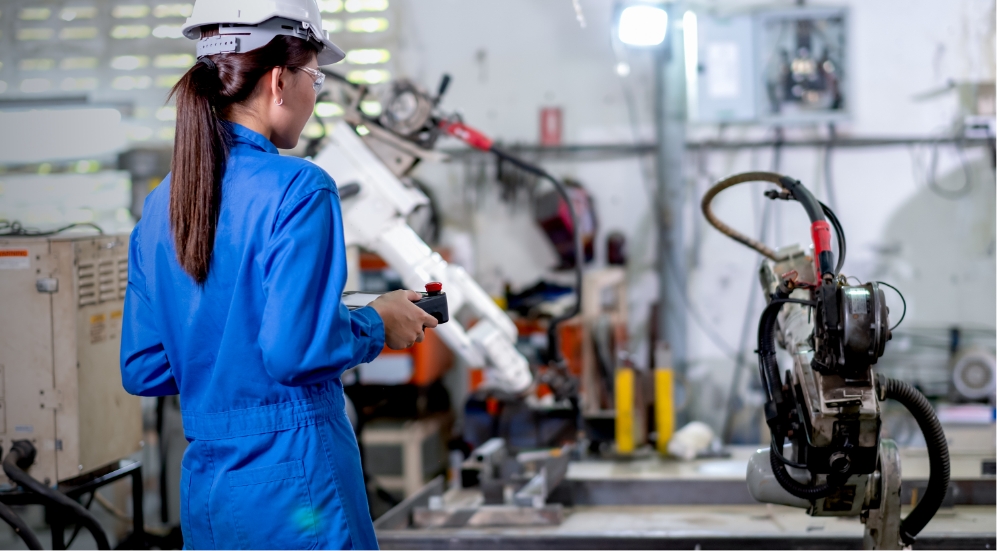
(650, 148)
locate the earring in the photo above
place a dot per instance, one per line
(278, 102)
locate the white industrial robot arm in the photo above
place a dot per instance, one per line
(375, 219)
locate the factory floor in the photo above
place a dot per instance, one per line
(649, 502)
(692, 526)
(652, 502)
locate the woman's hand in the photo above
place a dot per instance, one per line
(403, 321)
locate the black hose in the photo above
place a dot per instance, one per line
(782, 458)
(792, 485)
(76, 531)
(22, 455)
(803, 197)
(839, 233)
(20, 528)
(769, 368)
(938, 456)
(767, 364)
(553, 340)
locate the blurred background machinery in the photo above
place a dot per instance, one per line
(63, 425)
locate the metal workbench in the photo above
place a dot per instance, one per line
(654, 503)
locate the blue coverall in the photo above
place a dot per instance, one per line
(256, 354)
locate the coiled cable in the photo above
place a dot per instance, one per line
(938, 455)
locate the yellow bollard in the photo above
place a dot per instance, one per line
(624, 393)
(664, 406)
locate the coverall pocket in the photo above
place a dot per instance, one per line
(272, 507)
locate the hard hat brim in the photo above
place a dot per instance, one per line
(330, 53)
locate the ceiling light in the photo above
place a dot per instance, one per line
(367, 56)
(130, 12)
(35, 33)
(71, 63)
(35, 14)
(129, 62)
(85, 83)
(367, 25)
(37, 64)
(78, 33)
(78, 12)
(370, 76)
(130, 31)
(167, 81)
(354, 6)
(643, 25)
(328, 109)
(174, 61)
(173, 10)
(330, 6)
(332, 25)
(168, 31)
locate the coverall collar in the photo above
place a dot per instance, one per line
(243, 135)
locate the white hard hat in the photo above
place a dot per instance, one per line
(246, 25)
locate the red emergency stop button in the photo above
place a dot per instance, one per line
(434, 288)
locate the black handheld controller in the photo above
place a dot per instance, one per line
(433, 301)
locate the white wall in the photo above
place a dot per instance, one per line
(510, 58)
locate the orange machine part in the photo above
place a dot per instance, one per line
(476, 379)
(572, 335)
(373, 261)
(430, 359)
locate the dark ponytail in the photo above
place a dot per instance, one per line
(206, 95)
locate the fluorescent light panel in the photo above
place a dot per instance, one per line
(72, 13)
(368, 56)
(78, 33)
(168, 31)
(367, 25)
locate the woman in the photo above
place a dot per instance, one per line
(234, 282)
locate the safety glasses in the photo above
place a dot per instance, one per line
(319, 77)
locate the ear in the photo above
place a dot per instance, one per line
(277, 83)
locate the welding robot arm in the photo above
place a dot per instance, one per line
(828, 407)
(374, 218)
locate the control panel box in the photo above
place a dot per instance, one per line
(770, 66)
(60, 337)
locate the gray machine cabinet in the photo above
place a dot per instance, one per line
(61, 302)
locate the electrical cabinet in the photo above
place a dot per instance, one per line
(61, 302)
(772, 66)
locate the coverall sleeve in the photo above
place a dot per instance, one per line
(307, 334)
(145, 369)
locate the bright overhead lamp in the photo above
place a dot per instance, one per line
(643, 25)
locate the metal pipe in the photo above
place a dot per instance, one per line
(670, 117)
(649, 148)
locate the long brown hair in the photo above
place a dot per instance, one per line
(205, 95)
